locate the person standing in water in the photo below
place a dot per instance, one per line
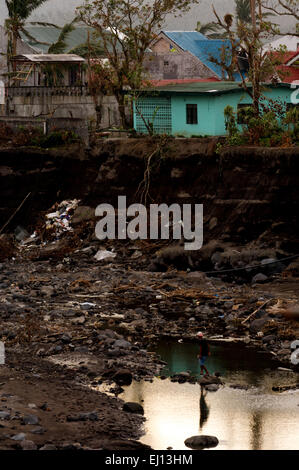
(204, 352)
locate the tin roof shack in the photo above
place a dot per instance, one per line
(196, 109)
(47, 85)
(46, 70)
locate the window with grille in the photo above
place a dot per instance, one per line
(156, 112)
(191, 114)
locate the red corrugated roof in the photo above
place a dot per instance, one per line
(292, 73)
(175, 81)
(286, 57)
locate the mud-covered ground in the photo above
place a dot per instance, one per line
(70, 322)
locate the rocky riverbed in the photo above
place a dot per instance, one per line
(76, 312)
(70, 323)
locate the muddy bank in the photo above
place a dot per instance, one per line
(248, 193)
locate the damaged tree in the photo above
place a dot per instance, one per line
(19, 11)
(247, 40)
(125, 28)
(284, 7)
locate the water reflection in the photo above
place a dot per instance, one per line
(203, 407)
(253, 419)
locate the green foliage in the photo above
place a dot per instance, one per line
(18, 13)
(126, 30)
(243, 11)
(292, 121)
(57, 138)
(273, 127)
(230, 121)
(34, 137)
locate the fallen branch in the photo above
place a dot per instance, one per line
(257, 310)
(15, 212)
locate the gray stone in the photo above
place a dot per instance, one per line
(212, 388)
(121, 343)
(90, 416)
(66, 338)
(259, 278)
(28, 445)
(123, 377)
(211, 379)
(30, 419)
(240, 386)
(19, 437)
(201, 442)
(48, 447)
(48, 291)
(132, 407)
(257, 325)
(38, 430)
(269, 338)
(4, 414)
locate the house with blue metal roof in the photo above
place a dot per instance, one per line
(196, 109)
(174, 44)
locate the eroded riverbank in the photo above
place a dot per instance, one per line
(71, 322)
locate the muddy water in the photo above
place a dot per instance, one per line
(257, 418)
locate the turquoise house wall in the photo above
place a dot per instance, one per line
(210, 110)
(206, 113)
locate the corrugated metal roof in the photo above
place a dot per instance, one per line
(50, 58)
(186, 40)
(214, 88)
(202, 47)
(49, 35)
(174, 81)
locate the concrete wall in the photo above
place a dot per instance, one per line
(48, 125)
(60, 102)
(178, 65)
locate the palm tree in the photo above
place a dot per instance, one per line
(52, 72)
(18, 13)
(243, 11)
(205, 28)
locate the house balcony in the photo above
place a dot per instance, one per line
(44, 91)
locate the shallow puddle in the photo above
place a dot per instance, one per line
(257, 418)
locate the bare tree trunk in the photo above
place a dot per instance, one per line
(122, 111)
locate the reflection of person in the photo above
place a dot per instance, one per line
(204, 352)
(203, 408)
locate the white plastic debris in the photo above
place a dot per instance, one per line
(60, 219)
(104, 254)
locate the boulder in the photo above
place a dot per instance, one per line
(211, 379)
(132, 407)
(212, 387)
(30, 419)
(122, 377)
(260, 278)
(257, 325)
(28, 445)
(201, 442)
(122, 343)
